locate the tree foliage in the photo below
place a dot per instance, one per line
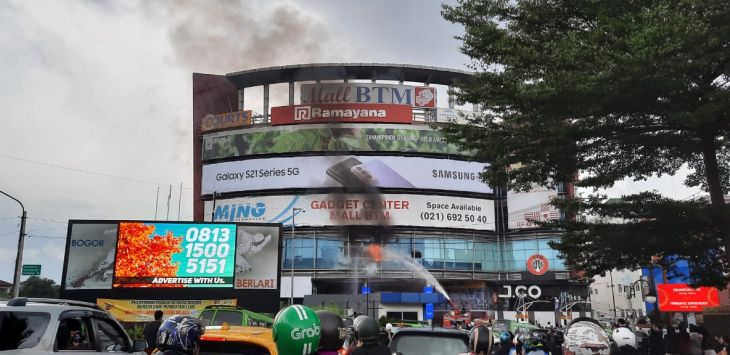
(610, 90)
(40, 287)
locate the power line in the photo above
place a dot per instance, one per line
(58, 166)
(47, 220)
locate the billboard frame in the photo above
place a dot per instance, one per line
(257, 300)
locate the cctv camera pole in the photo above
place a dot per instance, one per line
(21, 240)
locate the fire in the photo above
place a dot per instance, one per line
(376, 252)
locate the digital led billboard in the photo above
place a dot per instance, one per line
(175, 255)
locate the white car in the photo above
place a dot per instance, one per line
(46, 326)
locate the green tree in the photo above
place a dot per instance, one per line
(610, 90)
(36, 286)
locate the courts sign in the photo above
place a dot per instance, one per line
(348, 112)
(362, 93)
(226, 120)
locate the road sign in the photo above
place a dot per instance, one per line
(31, 270)
(428, 314)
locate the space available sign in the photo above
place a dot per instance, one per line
(361, 93)
(358, 209)
(257, 257)
(526, 208)
(344, 171)
(90, 261)
(326, 138)
(682, 298)
(225, 120)
(364, 113)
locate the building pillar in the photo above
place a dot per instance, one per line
(266, 104)
(291, 93)
(240, 100)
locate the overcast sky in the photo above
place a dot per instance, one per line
(96, 96)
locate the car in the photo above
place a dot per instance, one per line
(224, 339)
(429, 341)
(46, 326)
(216, 315)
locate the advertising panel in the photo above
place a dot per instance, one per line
(144, 310)
(340, 93)
(682, 298)
(526, 208)
(358, 209)
(322, 113)
(257, 257)
(90, 260)
(225, 120)
(175, 255)
(344, 171)
(326, 138)
(452, 115)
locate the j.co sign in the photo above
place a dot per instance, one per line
(537, 264)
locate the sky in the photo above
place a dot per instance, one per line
(96, 96)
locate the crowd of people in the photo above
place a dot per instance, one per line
(300, 330)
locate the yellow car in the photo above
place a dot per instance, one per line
(237, 339)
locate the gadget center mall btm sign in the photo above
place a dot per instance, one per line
(537, 264)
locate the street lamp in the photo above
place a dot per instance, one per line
(291, 255)
(19, 258)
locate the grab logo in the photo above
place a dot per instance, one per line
(302, 113)
(537, 264)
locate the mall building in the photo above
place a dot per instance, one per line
(373, 200)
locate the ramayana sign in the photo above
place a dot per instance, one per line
(358, 209)
(344, 171)
(362, 93)
(348, 112)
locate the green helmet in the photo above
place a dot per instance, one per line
(296, 330)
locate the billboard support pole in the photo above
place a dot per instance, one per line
(21, 240)
(179, 202)
(157, 201)
(291, 291)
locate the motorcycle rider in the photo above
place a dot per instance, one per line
(367, 332)
(179, 335)
(480, 342)
(296, 330)
(330, 324)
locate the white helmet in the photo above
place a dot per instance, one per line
(624, 337)
(388, 327)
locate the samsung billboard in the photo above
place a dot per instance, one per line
(344, 171)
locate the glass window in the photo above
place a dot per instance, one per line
(458, 253)
(230, 317)
(431, 250)
(206, 317)
(401, 246)
(331, 253)
(22, 330)
(108, 336)
(300, 251)
(73, 334)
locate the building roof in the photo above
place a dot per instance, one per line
(350, 71)
(5, 284)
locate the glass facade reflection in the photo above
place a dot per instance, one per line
(314, 250)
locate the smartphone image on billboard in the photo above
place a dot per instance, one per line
(377, 173)
(342, 172)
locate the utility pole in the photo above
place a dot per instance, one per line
(21, 242)
(613, 296)
(291, 253)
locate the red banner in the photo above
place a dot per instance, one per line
(682, 298)
(324, 113)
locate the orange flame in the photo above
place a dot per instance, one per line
(376, 252)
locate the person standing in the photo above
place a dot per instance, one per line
(656, 341)
(150, 331)
(671, 341)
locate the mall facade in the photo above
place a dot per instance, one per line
(348, 157)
